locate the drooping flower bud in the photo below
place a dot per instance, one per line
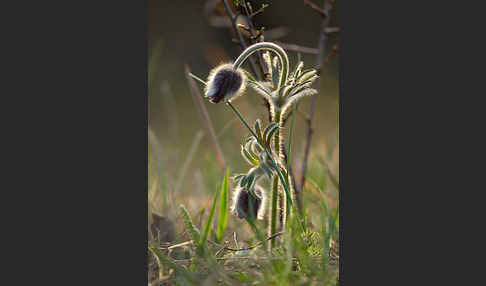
(225, 83)
(244, 202)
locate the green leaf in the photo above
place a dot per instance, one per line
(244, 181)
(307, 75)
(269, 127)
(237, 178)
(271, 133)
(251, 182)
(223, 209)
(261, 89)
(298, 69)
(189, 225)
(257, 129)
(255, 147)
(207, 226)
(247, 139)
(249, 148)
(286, 90)
(296, 90)
(248, 156)
(251, 221)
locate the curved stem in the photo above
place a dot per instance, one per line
(284, 60)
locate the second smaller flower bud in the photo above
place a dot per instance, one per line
(244, 203)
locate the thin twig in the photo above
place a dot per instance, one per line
(259, 11)
(253, 36)
(240, 37)
(334, 181)
(198, 101)
(330, 30)
(319, 60)
(188, 160)
(220, 250)
(298, 48)
(161, 279)
(249, 247)
(180, 244)
(313, 6)
(223, 247)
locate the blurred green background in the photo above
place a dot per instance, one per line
(182, 163)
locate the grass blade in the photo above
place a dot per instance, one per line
(207, 226)
(257, 129)
(250, 159)
(290, 134)
(223, 209)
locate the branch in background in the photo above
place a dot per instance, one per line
(316, 8)
(259, 11)
(254, 35)
(240, 37)
(297, 48)
(331, 175)
(243, 45)
(331, 30)
(188, 160)
(335, 51)
(276, 33)
(198, 101)
(319, 61)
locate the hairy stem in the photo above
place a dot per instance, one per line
(273, 209)
(278, 145)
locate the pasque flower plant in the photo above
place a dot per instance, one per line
(263, 149)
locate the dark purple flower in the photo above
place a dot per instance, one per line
(244, 201)
(224, 83)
